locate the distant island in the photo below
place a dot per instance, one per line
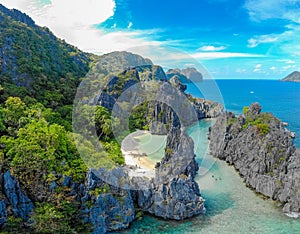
(293, 77)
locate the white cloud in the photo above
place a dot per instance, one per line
(272, 68)
(65, 13)
(288, 67)
(219, 55)
(212, 48)
(289, 61)
(205, 55)
(259, 10)
(258, 66)
(189, 65)
(254, 42)
(74, 20)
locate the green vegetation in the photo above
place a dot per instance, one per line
(39, 67)
(139, 117)
(168, 151)
(50, 218)
(261, 121)
(245, 110)
(97, 191)
(39, 151)
(39, 76)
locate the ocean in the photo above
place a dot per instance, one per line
(280, 98)
(231, 206)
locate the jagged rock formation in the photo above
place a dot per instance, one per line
(187, 75)
(130, 76)
(176, 83)
(206, 108)
(173, 192)
(111, 209)
(293, 77)
(12, 199)
(262, 150)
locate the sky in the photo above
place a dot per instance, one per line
(226, 38)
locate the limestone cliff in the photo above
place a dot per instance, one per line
(262, 150)
(13, 201)
(173, 193)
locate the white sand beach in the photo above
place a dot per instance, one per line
(137, 153)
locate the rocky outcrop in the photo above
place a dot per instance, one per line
(206, 108)
(3, 213)
(178, 199)
(177, 84)
(262, 150)
(106, 207)
(13, 200)
(173, 192)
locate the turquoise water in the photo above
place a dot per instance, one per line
(152, 145)
(231, 206)
(280, 98)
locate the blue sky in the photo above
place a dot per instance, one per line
(230, 38)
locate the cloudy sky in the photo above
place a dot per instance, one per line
(231, 38)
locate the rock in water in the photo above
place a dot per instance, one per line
(262, 150)
(173, 193)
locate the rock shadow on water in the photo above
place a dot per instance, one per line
(216, 204)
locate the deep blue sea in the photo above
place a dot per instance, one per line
(231, 206)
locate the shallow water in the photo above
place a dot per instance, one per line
(152, 145)
(231, 206)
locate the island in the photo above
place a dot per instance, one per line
(293, 77)
(73, 127)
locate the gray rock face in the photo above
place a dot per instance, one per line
(206, 108)
(3, 213)
(176, 83)
(21, 205)
(262, 150)
(173, 193)
(111, 208)
(178, 199)
(110, 213)
(192, 74)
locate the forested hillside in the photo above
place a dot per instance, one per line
(35, 65)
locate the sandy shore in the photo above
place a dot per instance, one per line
(137, 160)
(140, 166)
